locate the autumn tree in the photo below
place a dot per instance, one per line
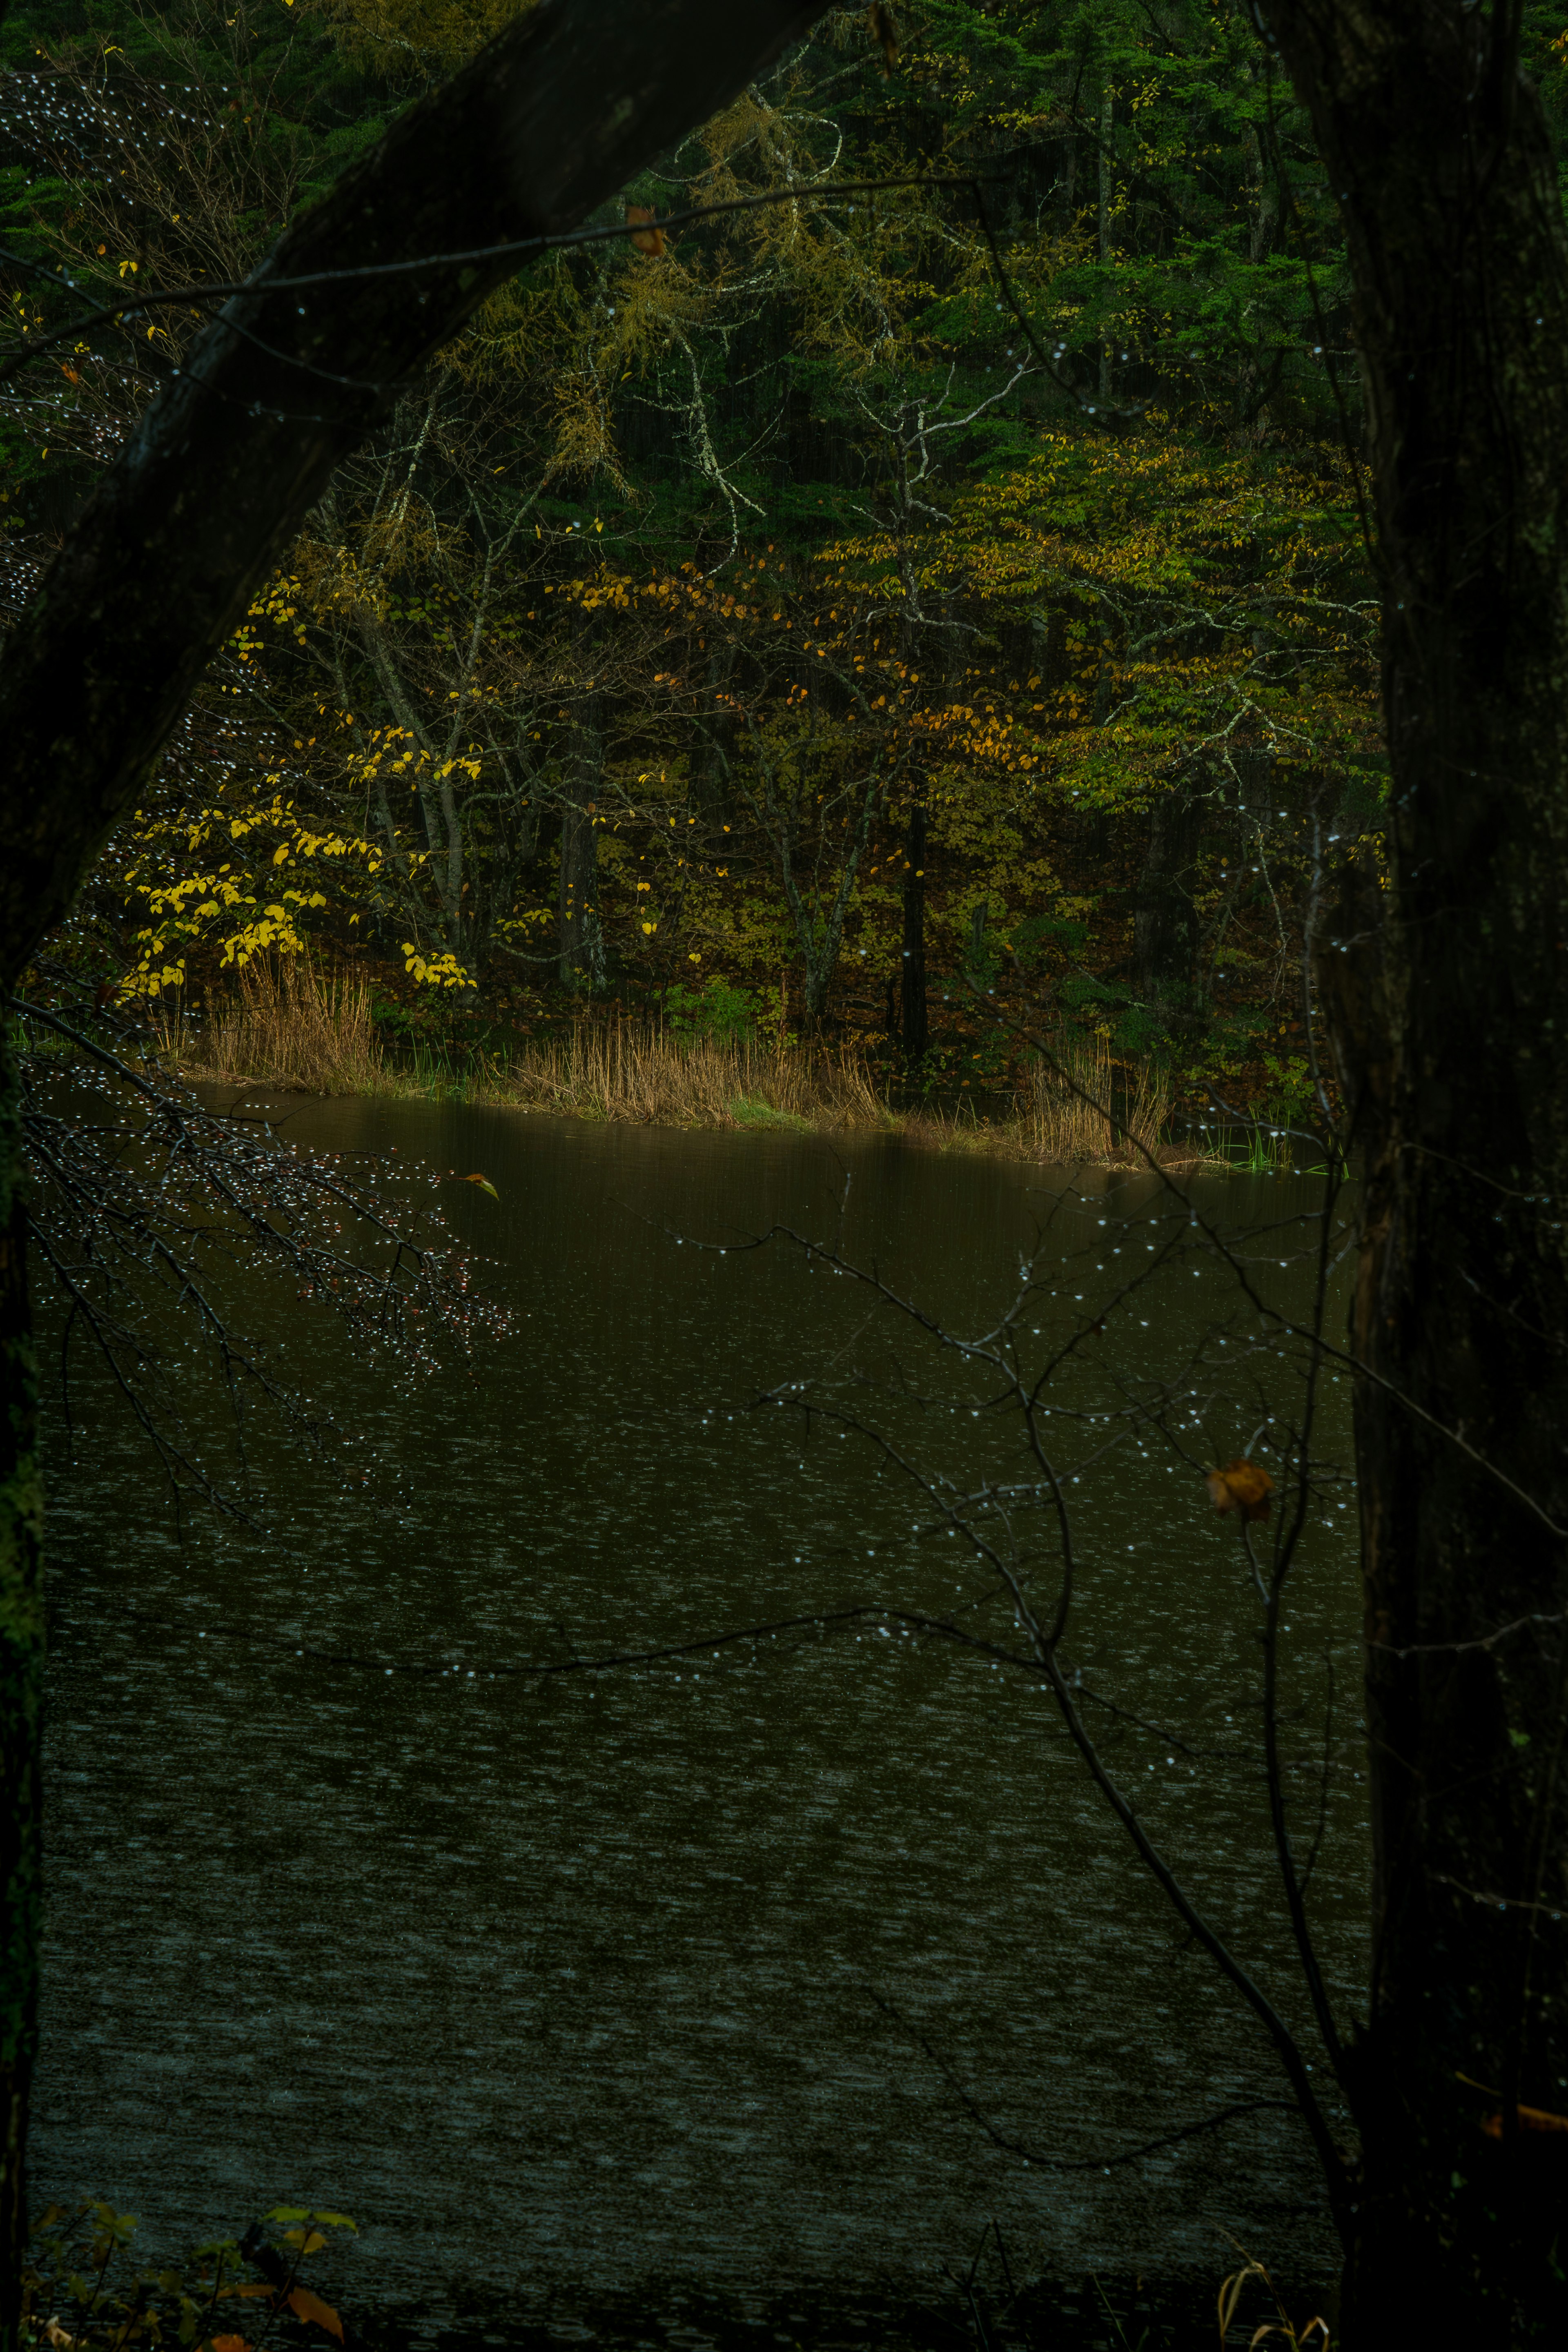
(160, 568)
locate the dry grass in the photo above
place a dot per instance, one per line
(1079, 1112)
(644, 1076)
(291, 1024)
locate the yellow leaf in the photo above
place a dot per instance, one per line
(484, 1184)
(305, 2305)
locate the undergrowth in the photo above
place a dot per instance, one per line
(291, 1025)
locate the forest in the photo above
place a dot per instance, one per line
(979, 587)
(749, 626)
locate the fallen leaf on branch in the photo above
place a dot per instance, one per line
(305, 2305)
(647, 240)
(1532, 2119)
(1241, 1487)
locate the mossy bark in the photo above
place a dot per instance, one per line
(1448, 996)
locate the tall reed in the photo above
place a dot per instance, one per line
(290, 1025)
(1079, 1108)
(638, 1073)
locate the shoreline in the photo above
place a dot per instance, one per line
(985, 1136)
(1070, 1105)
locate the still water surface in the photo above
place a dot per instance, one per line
(627, 1985)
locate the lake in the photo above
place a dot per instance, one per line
(672, 2002)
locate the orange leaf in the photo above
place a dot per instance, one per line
(647, 240)
(1241, 1487)
(229, 2344)
(1535, 2119)
(305, 2305)
(484, 1184)
(70, 372)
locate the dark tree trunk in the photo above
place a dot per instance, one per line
(548, 122)
(582, 942)
(582, 963)
(714, 747)
(912, 983)
(1448, 997)
(21, 1708)
(1164, 919)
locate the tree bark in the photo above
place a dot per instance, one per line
(546, 124)
(1107, 124)
(1448, 1000)
(21, 1706)
(1164, 919)
(581, 940)
(912, 987)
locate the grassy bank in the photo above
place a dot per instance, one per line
(296, 1027)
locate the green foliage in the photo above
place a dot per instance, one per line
(718, 1010)
(80, 2287)
(744, 549)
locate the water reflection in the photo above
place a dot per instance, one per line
(599, 1985)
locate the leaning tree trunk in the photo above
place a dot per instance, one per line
(1448, 995)
(561, 109)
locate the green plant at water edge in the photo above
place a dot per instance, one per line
(79, 2287)
(745, 1112)
(721, 1010)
